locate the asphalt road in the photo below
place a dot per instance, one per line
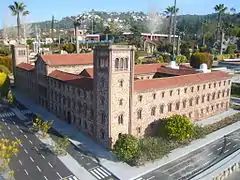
(34, 161)
(84, 158)
(197, 161)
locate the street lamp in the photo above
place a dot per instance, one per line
(174, 28)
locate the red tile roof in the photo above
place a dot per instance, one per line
(178, 72)
(67, 59)
(146, 68)
(179, 81)
(26, 66)
(80, 81)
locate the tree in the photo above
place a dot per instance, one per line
(4, 51)
(170, 10)
(4, 84)
(42, 126)
(178, 127)
(61, 145)
(231, 49)
(181, 59)
(220, 9)
(136, 36)
(199, 58)
(185, 50)
(18, 9)
(7, 149)
(10, 97)
(126, 147)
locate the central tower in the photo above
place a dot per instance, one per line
(113, 89)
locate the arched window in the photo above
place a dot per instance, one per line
(126, 63)
(116, 64)
(121, 63)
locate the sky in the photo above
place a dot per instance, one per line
(44, 9)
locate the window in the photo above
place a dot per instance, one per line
(219, 84)
(121, 102)
(217, 106)
(154, 96)
(222, 105)
(208, 97)
(169, 107)
(203, 98)
(178, 91)
(198, 88)
(102, 118)
(213, 96)
(184, 103)
(121, 64)
(139, 130)
(209, 85)
(120, 119)
(185, 90)
(126, 63)
(212, 108)
(177, 105)
(229, 82)
(197, 100)
(161, 109)
(21, 52)
(228, 92)
(192, 88)
(190, 114)
(139, 114)
(163, 93)
(116, 64)
(140, 98)
(215, 85)
(153, 111)
(223, 93)
(121, 83)
(204, 87)
(219, 93)
(207, 109)
(224, 83)
(102, 134)
(191, 102)
(202, 111)
(171, 92)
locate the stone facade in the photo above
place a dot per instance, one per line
(113, 103)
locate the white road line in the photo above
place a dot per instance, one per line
(14, 122)
(229, 143)
(25, 136)
(59, 175)
(99, 173)
(16, 138)
(21, 145)
(210, 154)
(39, 169)
(220, 148)
(8, 127)
(50, 164)
(26, 171)
(43, 156)
(104, 171)
(45, 177)
(36, 148)
(96, 175)
(31, 159)
(226, 151)
(206, 163)
(12, 133)
(234, 145)
(15, 154)
(20, 162)
(151, 178)
(17, 126)
(30, 141)
(25, 151)
(21, 131)
(5, 124)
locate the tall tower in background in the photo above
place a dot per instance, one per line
(113, 89)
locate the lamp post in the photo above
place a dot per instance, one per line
(174, 28)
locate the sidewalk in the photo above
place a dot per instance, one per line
(107, 159)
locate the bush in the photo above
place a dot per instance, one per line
(4, 51)
(70, 48)
(166, 58)
(6, 61)
(4, 84)
(126, 147)
(203, 49)
(140, 54)
(199, 58)
(177, 127)
(4, 69)
(231, 49)
(160, 59)
(181, 59)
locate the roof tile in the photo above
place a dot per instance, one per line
(26, 66)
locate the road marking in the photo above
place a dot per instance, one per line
(15, 154)
(12, 133)
(26, 171)
(25, 136)
(151, 178)
(43, 156)
(17, 126)
(59, 175)
(30, 141)
(39, 169)
(25, 151)
(31, 159)
(3, 134)
(45, 177)
(8, 127)
(14, 122)
(226, 151)
(20, 162)
(21, 145)
(220, 148)
(21, 131)
(210, 154)
(229, 143)
(5, 124)
(16, 138)
(36, 148)
(234, 145)
(50, 164)
(206, 163)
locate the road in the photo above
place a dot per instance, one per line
(84, 158)
(197, 161)
(34, 161)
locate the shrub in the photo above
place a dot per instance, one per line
(199, 132)
(231, 49)
(166, 58)
(178, 127)
(181, 59)
(203, 49)
(126, 147)
(4, 69)
(199, 58)
(10, 97)
(6, 61)
(4, 51)
(160, 59)
(70, 48)
(4, 84)
(140, 54)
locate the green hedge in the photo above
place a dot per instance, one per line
(201, 57)
(6, 61)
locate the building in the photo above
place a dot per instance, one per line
(105, 93)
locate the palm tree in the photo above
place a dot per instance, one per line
(170, 10)
(220, 9)
(18, 9)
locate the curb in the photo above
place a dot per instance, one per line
(226, 173)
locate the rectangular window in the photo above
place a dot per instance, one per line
(139, 130)
(204, 87)
(177, 105)
(163, 93)
(198, 88)
(192, 88)
(171, 92)
(139, 114)
(185, 90)
(170, 107)
(178, 91)
(120, 119)
(154, 96)
(140, 98)
(161, 109)
(153, 111)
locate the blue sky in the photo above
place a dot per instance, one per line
(44, 9)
